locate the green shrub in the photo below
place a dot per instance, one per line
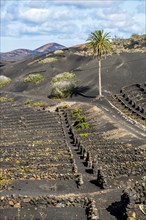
(36, 104)
(40, 142)
(39, 104)
(60, 90)
(34, 78)
(4, 83)
(84, 135)
(63, 107)
(80, 119)
(10, 100)
(17, 163)
(82, 125)
(2, 99)
(4, 80)
(62, 85)
(48, 60)
(63, 77)
(78, 69)
(80, 122)
(44, 104)
(28, 101)
(58, 52)
(76, 112)
(4, 182)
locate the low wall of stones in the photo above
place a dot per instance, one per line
(25, 201)
(135, 96)
(107, 159)
(22, 201)
(135, 196)
(33, 146)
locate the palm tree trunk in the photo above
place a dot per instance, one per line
(99, 74)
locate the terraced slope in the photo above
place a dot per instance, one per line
(50, 171)
(36, 161)
(106, 147)
(132, 102)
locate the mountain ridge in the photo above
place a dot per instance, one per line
(19, 54)
(50, 47)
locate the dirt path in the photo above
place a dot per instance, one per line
(135, 128)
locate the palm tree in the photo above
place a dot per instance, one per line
(99, 45)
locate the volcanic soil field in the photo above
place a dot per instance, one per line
(51, 169)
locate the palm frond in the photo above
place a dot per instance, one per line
(99, 43)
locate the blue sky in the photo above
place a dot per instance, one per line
(33, 23)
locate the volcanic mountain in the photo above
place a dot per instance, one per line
(50, 47)
(20, 54)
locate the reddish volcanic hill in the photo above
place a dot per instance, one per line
(50, 47)
(80, 46)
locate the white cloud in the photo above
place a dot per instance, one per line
(85, 3)
(34, 15)
(71, 21)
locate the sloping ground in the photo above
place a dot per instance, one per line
(48, 166)
(118, 71)
(108, 146)
(18, 54)
(36, 163)
(132, 102)
(48, 171)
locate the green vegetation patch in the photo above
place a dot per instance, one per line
(63, 77)
(39, 104)
(82, 125)
(28, 101)
(78, 69)
(39, 142)
(4, 81)
(58, 52)
(80, 121)
(62, 89)
(62, 85)
(76, 112)
(48, 60)
(84, 135)
(34, 78)
(36, 104)
(2, 99)
(4, 182)
(63, 106)
(10, 100)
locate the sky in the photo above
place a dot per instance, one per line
(30, 24)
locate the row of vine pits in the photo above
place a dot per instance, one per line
(43, 154)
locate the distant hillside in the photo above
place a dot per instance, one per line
(135, 43)
(20, 54)
(49, 48)
(118, 71)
